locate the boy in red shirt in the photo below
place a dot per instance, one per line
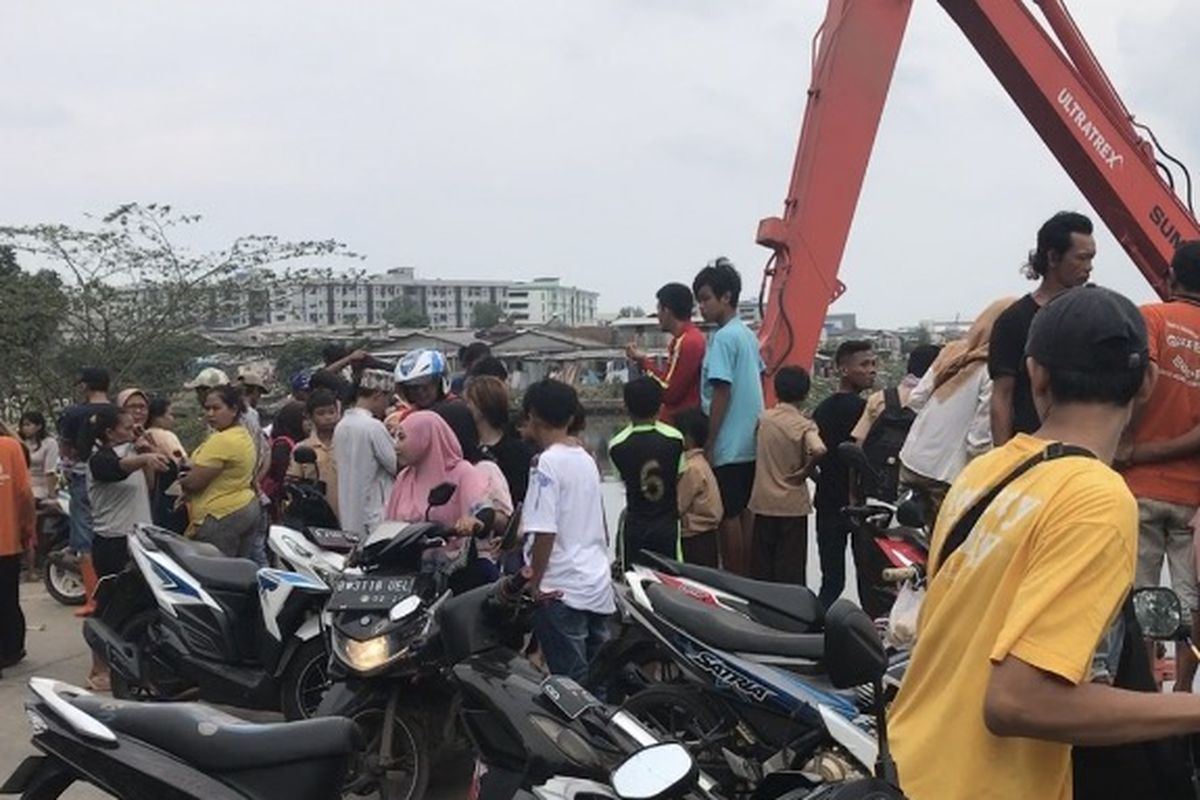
(681, 379)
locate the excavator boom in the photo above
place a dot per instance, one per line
(1060, 88)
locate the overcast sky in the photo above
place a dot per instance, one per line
(618, 144)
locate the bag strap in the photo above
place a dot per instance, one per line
(966, 523)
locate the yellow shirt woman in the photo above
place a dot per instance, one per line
(231, 451)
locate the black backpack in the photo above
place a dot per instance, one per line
(883, 443)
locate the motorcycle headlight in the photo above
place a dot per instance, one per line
(368, 655)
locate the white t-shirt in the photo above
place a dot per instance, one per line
(366, 467)
(564, 499)
(949, 431)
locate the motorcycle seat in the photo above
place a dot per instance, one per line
(731, 631)
(796, 602)
(220, 743)
(206, 564)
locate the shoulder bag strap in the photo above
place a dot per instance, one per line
(962, 528)
(891, 399)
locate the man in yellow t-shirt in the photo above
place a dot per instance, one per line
(1011, 621)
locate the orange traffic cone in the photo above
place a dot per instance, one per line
(88, 571)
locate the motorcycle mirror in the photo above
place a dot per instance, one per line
(441, 494)
(304, 455)
(855, 457)
(1159, 613)
(656, 771)
(910, 514)
(854, 655)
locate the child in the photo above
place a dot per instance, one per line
(700, 509)
(648, 455)
(323, 415)
(789, 445)
(566, 543)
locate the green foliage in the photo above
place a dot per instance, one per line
(295, 355)
(631, 311)
(126, 294)
(405, 313)
(486, 315)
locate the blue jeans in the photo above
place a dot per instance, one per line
(80, 518)
(569, 638)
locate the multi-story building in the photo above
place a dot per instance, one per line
(326, 299)
(545, 301)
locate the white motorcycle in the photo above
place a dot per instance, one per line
(183, 618)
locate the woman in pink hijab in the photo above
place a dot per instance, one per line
(429, 453)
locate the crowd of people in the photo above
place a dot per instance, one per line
(1057, 447)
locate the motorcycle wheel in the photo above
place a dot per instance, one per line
(305, 680)
(408, 776)
(162, 684)
(63, 583)
(679, 713)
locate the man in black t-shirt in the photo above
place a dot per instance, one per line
(836, 417)
(648, 454)
(1062, 260)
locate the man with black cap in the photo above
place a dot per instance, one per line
(1033, 554)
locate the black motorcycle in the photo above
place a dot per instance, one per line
(174, 751)
(388, 666)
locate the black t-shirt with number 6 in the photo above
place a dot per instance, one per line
(649, 458)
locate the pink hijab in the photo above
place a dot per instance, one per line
(435, 457)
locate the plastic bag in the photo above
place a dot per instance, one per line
(902, 621)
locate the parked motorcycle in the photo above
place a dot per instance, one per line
(388, 665)
(891, 540)
(752, 700)
(58, 562)
(184, 617)
(174, 751)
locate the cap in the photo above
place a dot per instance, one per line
(301, 381)
(209, 378)
(249, 376)
(376, 379)
(1089, 329)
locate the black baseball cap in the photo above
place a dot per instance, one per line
(1089, 329)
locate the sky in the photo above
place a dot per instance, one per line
(618, 144)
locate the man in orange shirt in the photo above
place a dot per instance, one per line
(685, 354)
(16, 535)
(1161, 457)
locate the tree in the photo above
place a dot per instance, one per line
(486, 315)
(405, 313)
(631, 311)
(32, 306)
(134, 295)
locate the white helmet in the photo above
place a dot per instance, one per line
(420, 364)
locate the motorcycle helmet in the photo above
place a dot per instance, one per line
(419, 365)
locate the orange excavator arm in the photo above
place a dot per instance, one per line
(1060, 88)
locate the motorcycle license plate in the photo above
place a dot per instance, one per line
(568, 696)
(370, 594)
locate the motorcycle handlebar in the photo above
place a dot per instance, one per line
(899, 574)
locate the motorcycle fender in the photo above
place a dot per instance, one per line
(861, 744)
(31, 773)
(347, 699)
(309, 629)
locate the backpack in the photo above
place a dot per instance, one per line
(884, 441)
